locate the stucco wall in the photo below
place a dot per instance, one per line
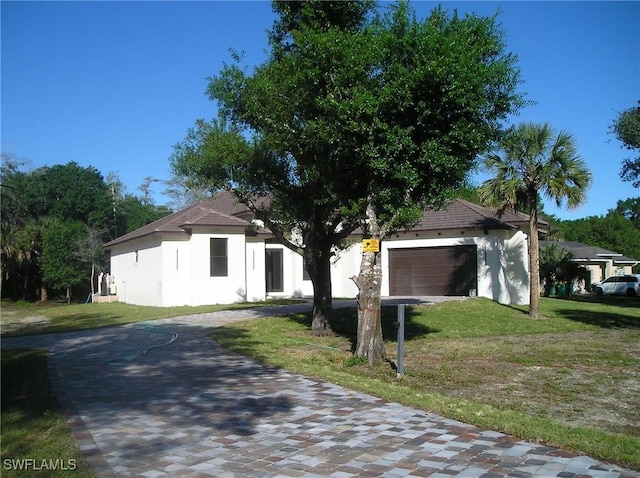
(503, 272)
(217, 290)
(343, 265)
(175, 271)
(346, 263)
(136, 268)
(255, 269)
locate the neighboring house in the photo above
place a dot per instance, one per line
(213, 253)
(600, 263)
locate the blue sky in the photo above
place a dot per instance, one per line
(115, 85)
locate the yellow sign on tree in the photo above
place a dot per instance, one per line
(370, 245)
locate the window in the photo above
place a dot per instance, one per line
(218, 257)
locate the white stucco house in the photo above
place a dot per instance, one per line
(213, 253)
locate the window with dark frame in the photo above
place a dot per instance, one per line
(218, 257)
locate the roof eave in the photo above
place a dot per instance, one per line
(123, 239)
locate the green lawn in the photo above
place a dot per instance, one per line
(570, 380)
(62, 317)
(36, 441)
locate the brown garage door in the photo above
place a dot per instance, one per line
(448, 270)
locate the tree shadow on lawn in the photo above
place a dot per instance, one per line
(605, 320)
(618, 301)
(241, 344)
(344, 322)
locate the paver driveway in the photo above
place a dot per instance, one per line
(192, 409)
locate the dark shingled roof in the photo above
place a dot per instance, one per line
(224, 210)
(584, 252)
(462, 214)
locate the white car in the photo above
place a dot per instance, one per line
(619, 285)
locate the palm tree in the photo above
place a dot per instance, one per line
(558, 265)
(534, 163)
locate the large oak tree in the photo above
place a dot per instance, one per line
(355, 120)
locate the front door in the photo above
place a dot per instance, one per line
(273, 270)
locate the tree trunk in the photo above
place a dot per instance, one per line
(370, 343)
(534, 262)
(93, 275)
(319, 268)
(43, 294)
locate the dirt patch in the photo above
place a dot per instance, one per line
(589, 379)
(11, 323)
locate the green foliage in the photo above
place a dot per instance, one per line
(613, 232)
(468, 192)
(70, 192)
(12, 183)
(442, 87)
(630, 208)
(182, 194)
(32, 202)
(557, 265)
(626, 128)
(348, 107)
(61, 267)
(132, 214)
(355, 361)
(534, 164)
(32, 425)
(353, 109)
(295, 17)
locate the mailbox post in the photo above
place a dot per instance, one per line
(400, 365)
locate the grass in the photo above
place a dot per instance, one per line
(54, 317)
(35, 436)
(571, 380)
